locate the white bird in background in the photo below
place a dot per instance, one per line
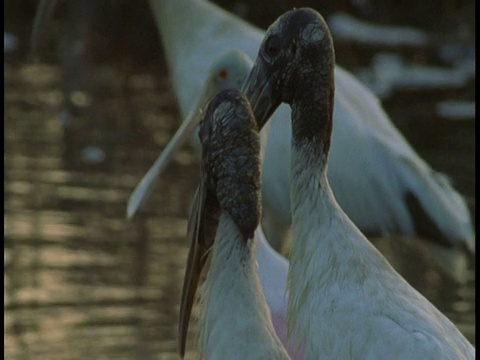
(368, 154)
(234, 317)
(230, 70)
(346, 300)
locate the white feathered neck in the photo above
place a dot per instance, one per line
(234, 316)
(346, 301)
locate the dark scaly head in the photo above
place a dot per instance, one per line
(231, 158)
(230, 182)
(294, 65)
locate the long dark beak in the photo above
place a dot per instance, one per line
(202, 224)
(259, 90)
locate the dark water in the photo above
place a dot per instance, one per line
(82, 282)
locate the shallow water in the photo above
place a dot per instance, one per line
(81, 281)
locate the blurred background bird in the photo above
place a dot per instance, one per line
(414, 199)
(395, 182)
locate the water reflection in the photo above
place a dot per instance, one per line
(81, 281)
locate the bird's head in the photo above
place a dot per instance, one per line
(229, 71)
(231, 158)
(296, 54)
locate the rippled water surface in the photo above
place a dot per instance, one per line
(83, 282)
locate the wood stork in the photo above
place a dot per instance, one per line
(395, 182)
(346, 301)
(230, 70)
(235, 321)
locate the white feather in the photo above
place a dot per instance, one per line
(346, 301)
(234, 316)
(230, 70)
(368, 154)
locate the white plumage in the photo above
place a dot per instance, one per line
(364, 141)
(346, 300)
(272, 271)
(229, 70)
(234, 319)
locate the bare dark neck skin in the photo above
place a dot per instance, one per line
(312, 121)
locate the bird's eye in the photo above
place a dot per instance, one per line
(223, 74)
(271, 48)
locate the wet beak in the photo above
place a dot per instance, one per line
(145, 186)
(258, 88)
(198, 232)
